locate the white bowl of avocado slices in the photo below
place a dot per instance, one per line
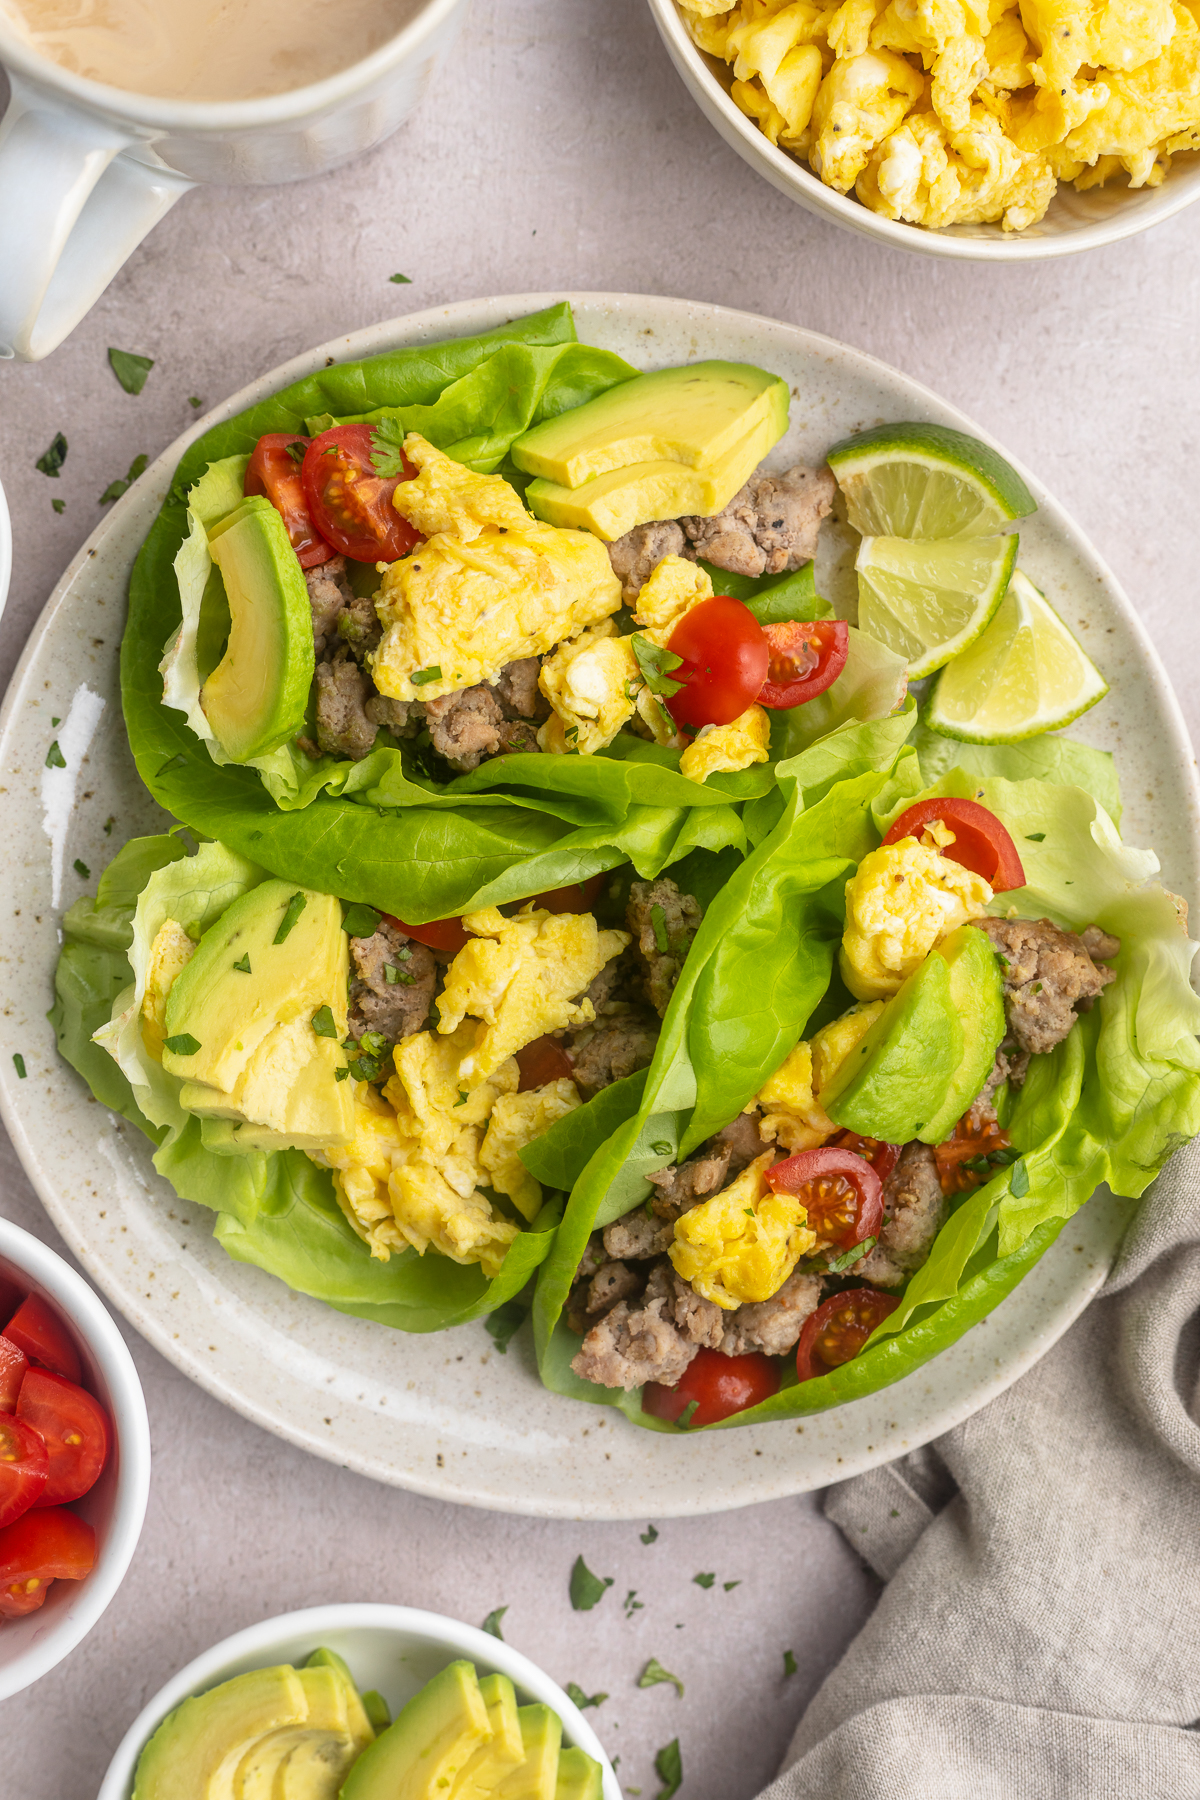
(360, 1702)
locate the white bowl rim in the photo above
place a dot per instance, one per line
(132, 1429)
(207, 1669)
(149, 112)
(788, 173)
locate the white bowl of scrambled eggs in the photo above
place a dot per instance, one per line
(944, 130)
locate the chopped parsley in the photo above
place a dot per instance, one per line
(109, 823)
(401, 280)
(653, 1674)
(492, 1623)
(242, 965)
(54, 757)
(789, 1662)
(323, 1022)
(81, 868)
(463, 1097)
(183, 1044)
(296, 450)
(727, 1585)
(291, 913)
(361, 921)
(195, 401)
(341, 1074)
(392, 975)
(632, 1604)
(56, 721)
(1035, 837)
(649, 1536)
(586, 1589)
(656, 664)
(706, 1579)
(503, 1325)
(373, 1052)
(658, 924)
(1018, 1185)
(130, 369)
(115, 489)
(668, 1766)
(849, 1257)
(19, 1065)
(422, 677)
(581, 1700)
(52, 460)
(60, 506)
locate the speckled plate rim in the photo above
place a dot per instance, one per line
(676, 1476)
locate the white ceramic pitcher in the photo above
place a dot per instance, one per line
(86, 170)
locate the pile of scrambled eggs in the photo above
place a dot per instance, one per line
(743, 1243)
(944, 112)
(904, 898)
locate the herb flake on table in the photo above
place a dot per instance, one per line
(576, 1694)
(401, 280)
(492, 1623)
(130, 369)
(705, 1579)
(52, 460)
(632, 1604)
(115, 489)
(195, 402)
(503, 1325)
(586, 1589)
(60, 506)
(728, 1585)
(789, 1663)
(649, 1535)
(668, 1766)
(653, 1674)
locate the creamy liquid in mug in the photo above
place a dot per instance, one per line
(207, 49)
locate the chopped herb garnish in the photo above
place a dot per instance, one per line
(658, 924)
(52, 460)
(341, 1074)
(81, 868)
(54, 757)
(109, 823)
(183, 1044)
(56, 721)
(1035, 837)
(361, 921)
(194, 400)
(656, 664)
(632, 1604)
(60, 506)
(292, 911)
(749, 1211)
(323, 1023)
(463, 1097)
(586, 1589)
(649, 1536)
(19, 1065)
(130, 370)
(576, 1693)
(668, 1766)
(653, 1674)
(789, 1662)
(392, 975)
(728, 1585)
(115, 489)
(849, 1257)
(401, 280)
(243, 964)
(503, 1325)
(1018, 1185)
(706, 1579)
(296, 451)
(422, 677)
(685, 1417)
(492, 1623)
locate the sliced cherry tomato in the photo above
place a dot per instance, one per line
(75, 1430)
(13, 1364)
(725, 658)
(719, 1385)
(350, 504)
(881, 1156)
(969, 1158)
(274, 470)
(24, 1467)
(440, 934)
(841, 1193)
(542, 1061)
(981, 842)
(805, 659)
(38, 1548)
(580, 897)
(839, 1328)
(37, 1329)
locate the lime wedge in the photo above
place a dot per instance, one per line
(929, 600)
(926, 481)
(1023, 675)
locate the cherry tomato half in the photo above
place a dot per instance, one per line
(74, 1428)
(274, 470)
(725, 660)
(882, 1157)
(440, 934)
(37, 1329)
(350, 504)
(981, 842)
(38, 1548)
(963, 1160)
(13, 1364)
(841, 1193)
(24, 1467)
(805, 659)
(839, 1328)
(720, 1386)
(542, 1061)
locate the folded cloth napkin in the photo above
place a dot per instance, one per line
(1039, 1634)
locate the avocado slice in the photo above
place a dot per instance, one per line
(256, 697)
(977, 992)
(692, 415)
(239, 1015)
(197, 1750)
(580, 1776)
(420, 1755)
(358, 1721)
(613, 503)
(503, 1752)
(323, 1736)
(898, 1078)
(537, 1776)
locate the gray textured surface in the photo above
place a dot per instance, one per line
(557, 149)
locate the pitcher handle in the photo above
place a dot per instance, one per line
(72, 209)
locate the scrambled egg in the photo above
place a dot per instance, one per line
(592, 683)
(170, 952)
(491, 583)
(516, 1120)
(789, 1100)
(744, 1242)
(674, 587)
(745, 740)
(946, 112)
(904, 898)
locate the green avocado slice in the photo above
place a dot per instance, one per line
(197, 1750)
(537, 1776)
(421, 1754)
(257, 696)
(580, 1776)
(898, 1078)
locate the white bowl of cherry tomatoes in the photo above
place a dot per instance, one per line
(74, 1459)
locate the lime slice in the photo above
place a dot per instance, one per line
(926, 481)
(927, 601)
(1024, 675)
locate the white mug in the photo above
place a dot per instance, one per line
(86, 170)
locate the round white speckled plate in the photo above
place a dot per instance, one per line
(446, 1415)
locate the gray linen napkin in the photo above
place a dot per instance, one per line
(1039, 1636)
